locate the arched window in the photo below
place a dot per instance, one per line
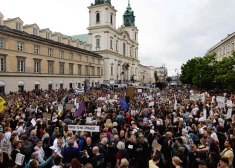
(97, 17)
(111, 70)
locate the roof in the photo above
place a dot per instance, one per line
(80, 37)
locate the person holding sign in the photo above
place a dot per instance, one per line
(17, 146)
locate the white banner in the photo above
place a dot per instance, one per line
(220, 99)
(86, 128)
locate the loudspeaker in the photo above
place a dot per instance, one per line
(127, 99)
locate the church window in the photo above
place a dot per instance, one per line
(97, 43)
(111, 44)
(135, 36)
(97, 17)
(111, 19)
(124, 49)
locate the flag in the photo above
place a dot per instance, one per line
(231, 97)
(81, 108)
(123, 104)
(2, 102)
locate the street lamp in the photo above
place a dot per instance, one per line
(176, 70)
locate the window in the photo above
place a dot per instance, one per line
(79, 57)
(98, 18)
(86, 70)
(70, 69)
(117, 47)
(20, 46)
(79, 69)
(37, 66)
(61, 68)
(87, 59)
(98, 71)
(2, 64)
(111, 44)
(93, 61)
(111, 19)
(93, 71)
(21, 65)
(130, 52)
(84, 47)
(124, 49)
(61, 54)
(1, 21)
(70, 56)
(135, 35)
(232, 47)
(18, 26)
(59, 39)
(228, 48)
(35, 32)
(224, 50)
(101, 72)
(98, 61)
(69, 42)
(111, 70)
(36, 49)
(50, 51)
(50, 67)
(48, 36)
(135, 54)
(97, 43)
(1, 43)
(77, 45)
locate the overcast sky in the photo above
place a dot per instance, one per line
(170, 31)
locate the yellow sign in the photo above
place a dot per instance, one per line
(2, 102)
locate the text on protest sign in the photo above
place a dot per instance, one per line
(86, 128)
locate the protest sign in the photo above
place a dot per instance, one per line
(220, 99)
(46, 116)
(19, 159)
(151, 104)
(89, 120)
(229, 113)
(139, 90)
(69, 106)
(6, 147)
(73, 110)
(86, 128)
(33, 122)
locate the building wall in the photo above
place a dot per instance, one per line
(145, 74)
(224, 48)
(10, 75)
(114, 56)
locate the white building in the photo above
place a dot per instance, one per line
(118, 46)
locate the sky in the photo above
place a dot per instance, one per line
(170, 31)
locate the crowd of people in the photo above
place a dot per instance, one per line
(159, 129)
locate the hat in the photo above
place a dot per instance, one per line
(141, 135)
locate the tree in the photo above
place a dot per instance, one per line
(169, 79)
(156, 76)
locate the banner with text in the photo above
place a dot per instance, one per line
(86, 128)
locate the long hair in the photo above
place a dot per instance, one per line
(75, 163)
(33, 164)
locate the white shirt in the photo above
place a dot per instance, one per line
(214, 136)
(55, 142)
(201, 130)
(20, 130)
(56, 166)
(41, 154)
(7, 136)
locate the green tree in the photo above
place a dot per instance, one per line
(156, 76)
(169, 79)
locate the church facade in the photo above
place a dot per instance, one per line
(118, 46)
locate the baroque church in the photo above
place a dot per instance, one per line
(118, 46)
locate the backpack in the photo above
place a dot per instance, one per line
(27, 149)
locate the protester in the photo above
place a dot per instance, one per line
(182, 127)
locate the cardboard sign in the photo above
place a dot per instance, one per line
(229, 113)
(86, 128)
(73, 110)
(151, 104)
(47, 116)
(19, 159)
(139, 90)
(69, 106)
(6, 147)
